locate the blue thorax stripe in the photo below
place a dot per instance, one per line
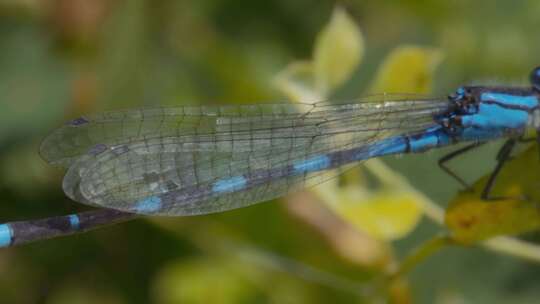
(528, 101)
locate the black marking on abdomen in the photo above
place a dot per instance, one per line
(40, 229)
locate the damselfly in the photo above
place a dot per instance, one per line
(198, 160)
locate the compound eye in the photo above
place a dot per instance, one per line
(535, 78)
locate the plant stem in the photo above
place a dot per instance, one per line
(421, 253)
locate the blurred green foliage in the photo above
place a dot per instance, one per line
(60, 58)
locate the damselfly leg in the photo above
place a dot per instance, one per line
(503, 156)
(445, 159)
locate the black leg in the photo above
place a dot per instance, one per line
(502, 157)
(450, 156)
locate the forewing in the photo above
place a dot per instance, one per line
(210, 124)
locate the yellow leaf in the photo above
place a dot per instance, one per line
(471, 219)
(296, 82)
(408, 69)
(394, 210)
(338, 50)
(386, 214)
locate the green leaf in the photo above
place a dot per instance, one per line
(472, 219)
(408, 69)
(338, 51)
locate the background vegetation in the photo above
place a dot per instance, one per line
(62, 58)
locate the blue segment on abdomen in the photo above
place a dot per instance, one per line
(392, 145)
(229, 184)
(6, 235)
(74, 221)
(148, 205)
(429, 140)
(316, 163)
(529, 101)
